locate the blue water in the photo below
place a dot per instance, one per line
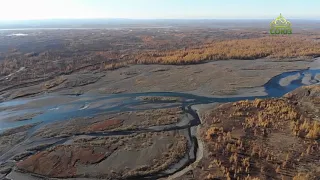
(74, 109)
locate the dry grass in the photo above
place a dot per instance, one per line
(53, 83)
(275, 47)
(157, 117)
(173, 155)
(308, 129)
(301, 176)
(159, 98)
(49, 64)
(115, 66)
(256, 139)
(266, 113)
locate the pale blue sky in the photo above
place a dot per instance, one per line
(157, 9)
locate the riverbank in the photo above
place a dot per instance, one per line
(217, 78)
(96, 122)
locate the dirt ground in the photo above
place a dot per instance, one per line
(209, 79)
(109, 157)
(124, 145)
(57, 146)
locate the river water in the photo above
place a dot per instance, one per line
(91, 105)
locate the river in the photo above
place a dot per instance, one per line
(90, 105)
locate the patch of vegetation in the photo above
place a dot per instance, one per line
(159, 98)
(53, 83)
(64, 161)
(273, 47)
(159, 117)
(88, 51)
(262, 138)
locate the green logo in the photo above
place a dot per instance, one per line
(280, 26)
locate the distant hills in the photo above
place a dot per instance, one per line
(159, 23)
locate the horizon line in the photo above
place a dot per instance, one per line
(48, 19)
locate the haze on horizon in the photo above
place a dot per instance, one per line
(154, 9)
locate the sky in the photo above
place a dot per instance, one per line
(158, 9)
